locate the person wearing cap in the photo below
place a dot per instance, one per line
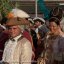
(18, 49)
(34, 37)
(33, 33)
(41, 27)
(41, 31)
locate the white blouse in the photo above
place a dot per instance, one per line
(9, 49)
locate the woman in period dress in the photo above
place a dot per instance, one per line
(54, 44)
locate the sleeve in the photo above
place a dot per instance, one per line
(61, 41)
(3, 56)
(26, 54)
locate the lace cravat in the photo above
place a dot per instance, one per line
(12, 39)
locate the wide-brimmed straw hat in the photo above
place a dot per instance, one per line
(41, 19)
(17, 21)
(18, 13)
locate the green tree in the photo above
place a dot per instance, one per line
(5, 7)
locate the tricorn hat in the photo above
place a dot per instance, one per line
(17, 21)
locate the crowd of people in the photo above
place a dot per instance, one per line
(25, 40)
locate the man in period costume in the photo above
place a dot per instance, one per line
(41, 31)
(41, 27)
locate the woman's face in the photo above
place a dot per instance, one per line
(53, 27)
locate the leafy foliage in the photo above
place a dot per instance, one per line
(5, 7)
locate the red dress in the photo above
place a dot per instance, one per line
(27, 35)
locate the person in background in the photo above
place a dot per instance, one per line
(41, 30)
(34, 36)
(41, 27)
(33, 33)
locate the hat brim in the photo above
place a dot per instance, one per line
(17, 21)
(41, 19)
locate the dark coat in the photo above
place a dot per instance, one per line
(34, 38)
(3, 38)
(43, 30)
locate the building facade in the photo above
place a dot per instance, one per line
(29, 5)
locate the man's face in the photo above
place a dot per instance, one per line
(14, 31)
(37, 23)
